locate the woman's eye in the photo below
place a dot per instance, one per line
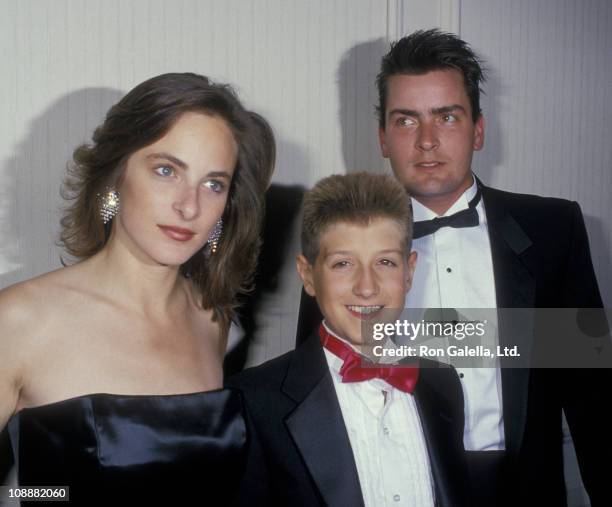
(164, 170)
(215, 186)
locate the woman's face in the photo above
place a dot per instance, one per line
(173, 191)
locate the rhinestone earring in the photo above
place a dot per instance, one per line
(109, 204)
(215, 236)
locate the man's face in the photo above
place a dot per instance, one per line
(429, 136)
(361, 271)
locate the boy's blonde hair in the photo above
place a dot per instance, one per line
(353, 198)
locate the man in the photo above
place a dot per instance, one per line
(324, 429)
(503, 250)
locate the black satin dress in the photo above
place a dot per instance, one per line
(130, 450)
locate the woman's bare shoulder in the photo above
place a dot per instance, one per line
(29, 310)
(26, 304)
(18, 303)
(24, 313)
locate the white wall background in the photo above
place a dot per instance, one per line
(309, 67)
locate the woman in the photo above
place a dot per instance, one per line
(112, 367)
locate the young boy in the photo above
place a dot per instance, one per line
(323, 429)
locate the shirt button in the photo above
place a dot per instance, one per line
(448, 270)
(461, 375)
(386, 430)
(396, 498)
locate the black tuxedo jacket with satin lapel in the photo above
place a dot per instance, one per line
(299, 449)
(541, 259)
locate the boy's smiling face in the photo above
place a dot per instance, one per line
(360, 270)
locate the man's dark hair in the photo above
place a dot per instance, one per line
(427, 50)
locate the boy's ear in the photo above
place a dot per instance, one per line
(305, 271)
(412, 258)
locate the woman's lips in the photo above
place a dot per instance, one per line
(177, 233)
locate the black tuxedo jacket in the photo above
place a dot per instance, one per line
(299, 449)
(541, 259)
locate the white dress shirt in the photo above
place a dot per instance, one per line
(387, 440)
(455, 270)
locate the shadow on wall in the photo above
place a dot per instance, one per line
(357, 95)
(282, 208)
(283, 203)
(358, 98)
(489, 161)
(30, 202)
(9, 242)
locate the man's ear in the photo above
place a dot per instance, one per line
(412, 258)
(479, 133)
(304, 269)
(383, 142)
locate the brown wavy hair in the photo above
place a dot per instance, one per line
(141, 118)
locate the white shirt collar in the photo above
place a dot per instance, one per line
(328, 329)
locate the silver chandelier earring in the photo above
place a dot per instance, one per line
(215, 236)
(109, 204)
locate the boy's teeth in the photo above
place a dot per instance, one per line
(365, 309)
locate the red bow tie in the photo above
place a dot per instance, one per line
(357, 368)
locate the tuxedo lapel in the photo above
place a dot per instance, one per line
(317, 427)
(514, 288)
(514, 284)
(437, 424)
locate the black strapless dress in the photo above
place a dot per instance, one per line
(187, 449)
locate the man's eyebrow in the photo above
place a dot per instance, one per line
(435, 111)
(167, 156)
(404, 112)
(448, 109)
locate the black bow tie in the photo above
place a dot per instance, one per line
(464, 218)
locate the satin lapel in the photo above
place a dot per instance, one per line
(514, 288)
(317, 427)
(514, 284)
(437, 424)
